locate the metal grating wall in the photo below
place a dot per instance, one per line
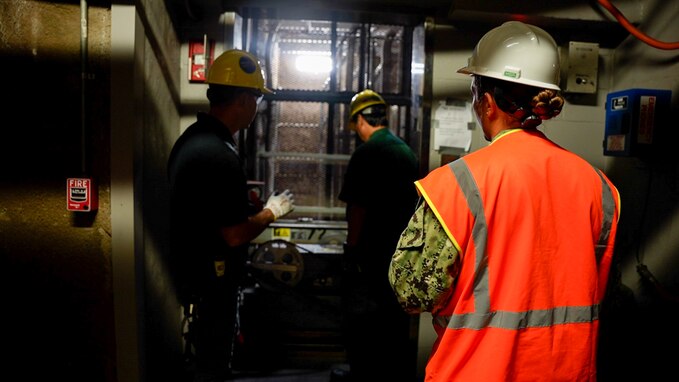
(302, 142)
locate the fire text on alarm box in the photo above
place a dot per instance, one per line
(80, 194)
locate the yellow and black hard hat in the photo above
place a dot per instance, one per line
(363, 100)
(237, 68)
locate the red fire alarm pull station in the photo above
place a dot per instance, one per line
(81, 195)
(199, 57)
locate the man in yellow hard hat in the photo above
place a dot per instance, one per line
(380, 197)
(212, 219)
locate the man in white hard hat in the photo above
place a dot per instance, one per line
(212, 217)
(511, 248)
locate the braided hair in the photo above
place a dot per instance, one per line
(529, 104)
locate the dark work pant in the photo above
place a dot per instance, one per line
(379, 343)
(214, 328)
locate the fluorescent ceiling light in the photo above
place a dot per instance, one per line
(313, 63)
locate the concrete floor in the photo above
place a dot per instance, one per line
(336, 373)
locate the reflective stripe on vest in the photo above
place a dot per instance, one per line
(609, 212)
(482, 316)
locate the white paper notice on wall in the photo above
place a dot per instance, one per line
(451, 125)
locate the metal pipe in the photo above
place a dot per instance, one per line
(428, 94)
(83, 82)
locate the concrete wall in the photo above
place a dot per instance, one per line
(87, 294)
(55, 279)
(146, 77)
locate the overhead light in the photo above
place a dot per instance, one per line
(313, 62)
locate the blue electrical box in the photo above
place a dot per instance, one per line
(632, 118)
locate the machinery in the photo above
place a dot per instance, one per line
(290, 313)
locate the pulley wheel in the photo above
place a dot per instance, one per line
(279, 259)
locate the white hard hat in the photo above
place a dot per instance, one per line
(517, 52)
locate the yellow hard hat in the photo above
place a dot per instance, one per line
(237, 68)
(517, 52)
(364, 99)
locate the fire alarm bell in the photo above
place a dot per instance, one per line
(81, 195)
(199, 57)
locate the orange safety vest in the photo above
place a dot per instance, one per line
(535, 227)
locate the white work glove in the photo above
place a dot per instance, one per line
(280, 203)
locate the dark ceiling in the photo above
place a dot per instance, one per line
(474, 16)
(383, 11)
